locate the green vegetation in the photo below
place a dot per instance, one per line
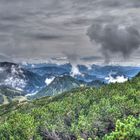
(111, 112)
(18, 127)
(8, 95)
(128, 129)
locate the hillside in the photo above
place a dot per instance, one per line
(107, 113)
(8, 95)
(58, 86)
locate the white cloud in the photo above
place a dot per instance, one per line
(75, 71)
(118, 79)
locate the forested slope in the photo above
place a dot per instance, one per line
(107, 113)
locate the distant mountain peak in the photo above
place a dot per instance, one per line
(58, 85)
(14, 76)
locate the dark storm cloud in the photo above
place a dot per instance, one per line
(114, 36)
(117, 31)
(120, 3)
(45, 36)
(7, 28)
(91, 58)
(56, 28)
(11, 17)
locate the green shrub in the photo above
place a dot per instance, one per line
(18, 127)
(84, 113)
(128, 129)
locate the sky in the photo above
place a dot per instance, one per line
(81, 31)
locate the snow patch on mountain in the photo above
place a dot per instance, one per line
(2, 70)
(31, 94)
(14, 80)
(49, 80)
(117, 79)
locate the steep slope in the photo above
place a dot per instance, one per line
(8, 95)
(12, 75)
(138, 75)
(57, 86)
(84, 113)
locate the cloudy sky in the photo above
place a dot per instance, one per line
(94, 31)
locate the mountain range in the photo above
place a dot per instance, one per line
(110, 112)
(39, 80)
(57, 86)
(14, 76)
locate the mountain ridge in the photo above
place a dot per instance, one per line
(8, 95)
(14, 76)
(57, 86)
